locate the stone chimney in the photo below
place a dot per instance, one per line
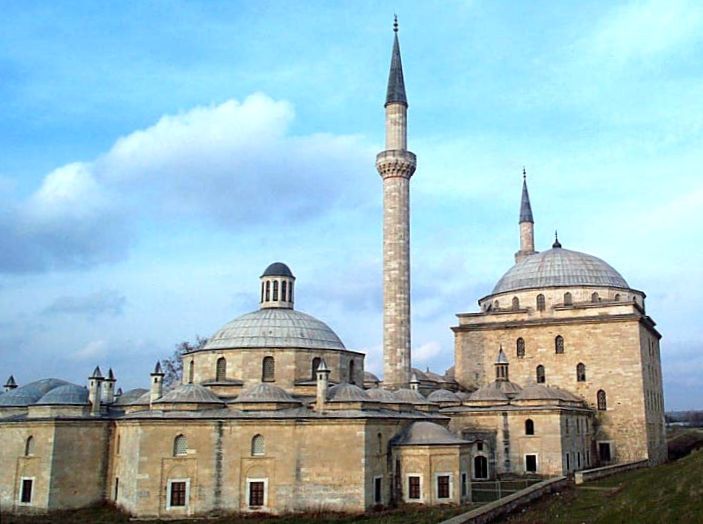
(414, 383)
(95, 383)
(109, 387)
(157, 384)
(323, 375)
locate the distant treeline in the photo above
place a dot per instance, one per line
(689, 418)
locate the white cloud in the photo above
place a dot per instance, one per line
(92, 350)
(426, 351)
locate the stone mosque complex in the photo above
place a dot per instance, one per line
(558, 371)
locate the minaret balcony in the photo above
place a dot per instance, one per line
(396, 162)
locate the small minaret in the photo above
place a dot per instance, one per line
(95, 387)
(157, 384)
(109, 387)
(277, 283)
(501, 366)
(323, 376)
(414, 383)
(10, 384)
(396, 165)
(527, 224)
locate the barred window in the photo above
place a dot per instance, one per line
(284, 290)
(581, 372)
(257, 445)
(559, 344)
(178, 493)
(540, 374)
(443, 487)
(275, 289)
(529, 427)
(541, 304)
(602, 403)
(413, 487)
(268, 369)
(221, 370)
(268, 290)
(568, 300)
(516, 303)
(180, 446)
(520, 347)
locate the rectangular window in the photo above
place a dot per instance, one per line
(479, 446)
(531, 463)
(178, 494)
(117, 487)
(604, 451)
(568, 465)
(26, 491)
(443, 487)
(464, 485)
(588, 457)
(378, 490)
(256, 494)
(414, 488)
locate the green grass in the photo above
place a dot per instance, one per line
(670, 493)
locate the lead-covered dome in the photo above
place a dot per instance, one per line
(559, 267)
(275, 328)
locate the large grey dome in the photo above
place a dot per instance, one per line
(68, 394)
(30, 393)
(559, 267)
(277, 269)
(275, 328)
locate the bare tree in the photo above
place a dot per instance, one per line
(173, 366)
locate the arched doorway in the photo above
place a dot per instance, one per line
(480, 467)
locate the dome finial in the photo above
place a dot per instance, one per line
(556, 240)
(524, 173)
(395, 23)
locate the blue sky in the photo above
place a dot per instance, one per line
(156, 156)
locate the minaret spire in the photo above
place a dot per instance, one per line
(396, 165)
(527, 223)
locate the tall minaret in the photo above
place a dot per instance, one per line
(527, 224)
(396, 165)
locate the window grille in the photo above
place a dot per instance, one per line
(268, 369)
(180, 446)
(257, 445)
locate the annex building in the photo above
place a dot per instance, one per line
(558, 371)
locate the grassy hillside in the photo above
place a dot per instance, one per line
(669, 493)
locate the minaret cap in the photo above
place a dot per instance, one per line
(525, 207)
(396, 84)
(97, 373)
(157, 369)
(111, 376)
(11, 382)
(322, 368)
(556, 243)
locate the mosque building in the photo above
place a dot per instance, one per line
(558, 371)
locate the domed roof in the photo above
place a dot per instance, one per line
(275, 328)
(491, 392)
(189, 394)
(130, 397)
(559, 267)
(277, 269)
(443, 395)
(426, 433)
(68, 394)
(409, 395)
(542, 392)
(370, 377)
(347, 393)
(264, 393)
(380, 394)
(30, 393)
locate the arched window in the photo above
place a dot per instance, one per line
(568, 299)
(29, 446)
(275, 289)
(496, 304)
(191, 372)
(262, 292)
(480, 467)
(559, 344)
(284, 290)
(290, 292)
(581, 372)
(379, 437)
(529, 427)
(595, 297)
(180, 446)
(617, 297)
(520, 347)
(268, 290)
(257, 446)
(516, 303)
(602, 403)
(351, 371)
(315, 364)
(221, 370)
(540, 374)
(540, 302)
(268, 370)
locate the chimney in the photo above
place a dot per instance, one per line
(109, 387)
(157, 384)
(95, 382)
(323, 375)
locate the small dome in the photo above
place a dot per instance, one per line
(419, 374)
(559, 267)
(542, 392)
(381, 395)
(423, 433)
(443, 395)
(489, 393)
(69, 394)
(264, 393)
(410, 396)
(278, 269)
(370, 377)
(347, 393)
(30, 393)
(275, 328)
(130, 397)
(463, 395)
(189, 394)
